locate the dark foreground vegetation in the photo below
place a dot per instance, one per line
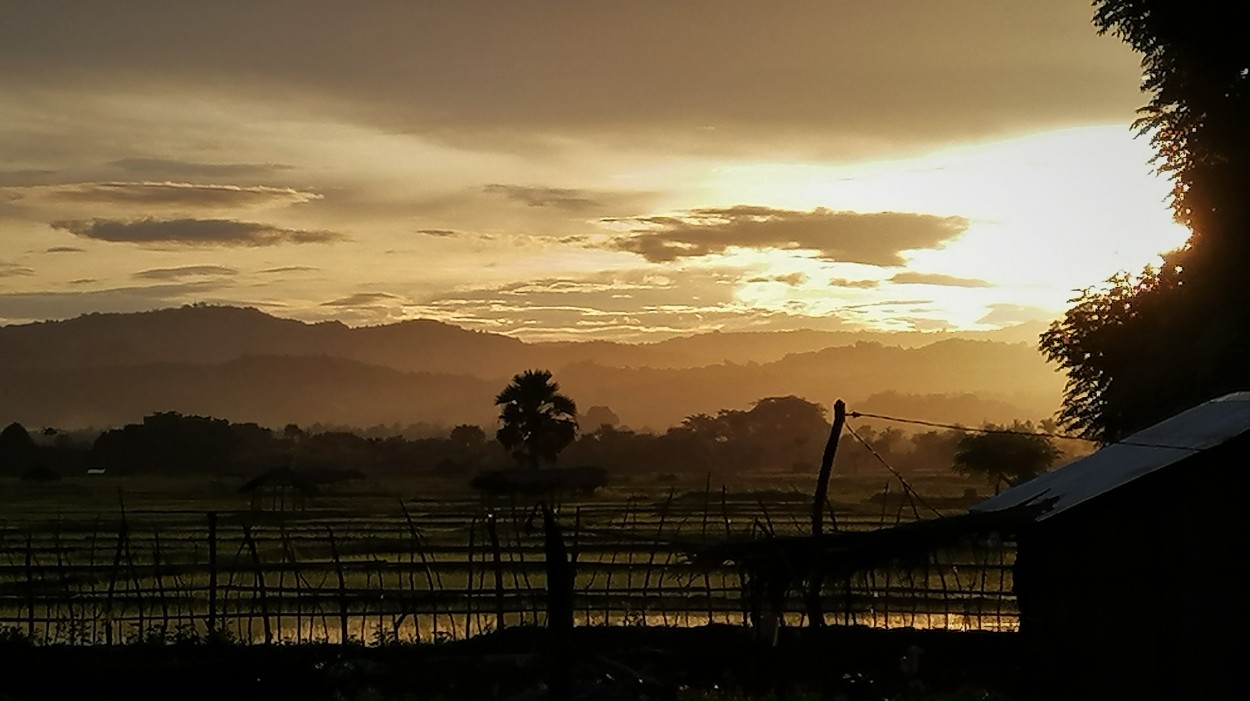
(712, 662)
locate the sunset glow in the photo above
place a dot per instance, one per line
(701, 184)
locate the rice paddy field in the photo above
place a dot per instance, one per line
(102, 560)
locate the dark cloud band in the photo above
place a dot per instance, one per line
(554, 197)
(13, 270)
(163, 167)
(192, 232)
(914, 278)
(177, 194)
(850, 237)
(185, 272)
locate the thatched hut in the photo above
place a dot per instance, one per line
(280, 488)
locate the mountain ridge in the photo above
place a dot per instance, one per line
(246, 365)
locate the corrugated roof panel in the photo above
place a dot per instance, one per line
(1167, 442)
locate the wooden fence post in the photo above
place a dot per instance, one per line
(30, 592)
(493, 532)
(468, 601)
(338, 570)
(212, 572)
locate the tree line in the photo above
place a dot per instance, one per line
(781, 435)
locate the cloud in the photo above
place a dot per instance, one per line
(855, 284)
(43, 305)
(192, 169)
(910, 70)
(889, 303)
(172, 194)
(918, 323)
(192, 232)
(554, 197)
(14, 270)
(1008, 314)
(185, 271)
(26, 177)
(64, 249)
(365, 299)
(632, 304)
(289, 269)
(850, 237)
(914, 278)
(791, 279)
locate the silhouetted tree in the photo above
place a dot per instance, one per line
(1142, 348)
(166, 442)
(40, 473)
(1009, 458)
(1196, 67)
(788, 432)
(17, 449)
(467, 436)
(1114, 346)
(597, 416)
(537, 422)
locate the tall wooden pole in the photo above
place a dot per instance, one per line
(815, 614)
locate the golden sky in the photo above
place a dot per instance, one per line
(620, 170)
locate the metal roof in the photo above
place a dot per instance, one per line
(1166, 443)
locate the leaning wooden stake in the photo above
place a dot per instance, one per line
(258, 582)
(122, 534)
(160, 581)
(815, 614)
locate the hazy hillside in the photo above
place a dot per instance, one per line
(767, 346)
(106, 369)
(270, 390)
(1010, 380)
(211, 334)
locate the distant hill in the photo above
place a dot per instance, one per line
(208, 334)
(1008, 380)
(270, 390)
(106, 369)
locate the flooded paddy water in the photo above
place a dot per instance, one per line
(95, 565)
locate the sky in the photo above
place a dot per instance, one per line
(572, 170)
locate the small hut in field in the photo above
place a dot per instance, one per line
(279, 489)
(1128, 585)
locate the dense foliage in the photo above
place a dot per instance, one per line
(536, 422)
(781, 435)
(1139, 349)
(1005, 454)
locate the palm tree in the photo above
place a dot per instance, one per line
(537, 421)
